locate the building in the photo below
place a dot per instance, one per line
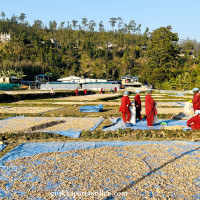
(76, 79)
(131, 81)
(74, 82)
(5, 37)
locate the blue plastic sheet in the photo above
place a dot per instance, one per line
(117, 123)
(97, 108)
(2, 146)
(72, 132)
(34, 148)
(31, 149)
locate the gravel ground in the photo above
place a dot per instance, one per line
(22, 110)
(72, 124)
(24, 124)
(156, 171)
(45, 124)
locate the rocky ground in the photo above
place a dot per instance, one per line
(156, 171)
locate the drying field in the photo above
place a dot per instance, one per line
(24, 109)
(87, 97)
(156, 171)
(46, 124)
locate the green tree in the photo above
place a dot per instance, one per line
(162, 55)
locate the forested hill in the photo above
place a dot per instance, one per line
(158, 58)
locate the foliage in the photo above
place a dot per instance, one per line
(79, 49)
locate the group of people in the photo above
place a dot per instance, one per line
(151, 108)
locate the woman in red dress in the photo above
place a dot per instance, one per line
(150, 108)
(196, 99)
(194, 122)
(124, 108)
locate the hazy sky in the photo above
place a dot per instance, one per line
(182, 15)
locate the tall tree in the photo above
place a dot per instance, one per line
(162, 55)
(22, 17)
(92, 25)
(38, 24)
(74, 23)
(112, 22)
(3, 16)
(84, 22)
(101, 26)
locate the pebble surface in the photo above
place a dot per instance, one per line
(46, 124)
(156, 171)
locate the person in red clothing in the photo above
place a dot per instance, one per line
(101, 91)
(85, 91)
(150, 107)
(194, 122)
(196, 99)
(115, 89)
(124, 108)
(138, 105)
(76, 91)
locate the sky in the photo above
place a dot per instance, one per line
(182, 15)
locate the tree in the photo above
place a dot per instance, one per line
(112, 22)
(74, 23)
(3, 16)
(22, 17)
(61, 25)
(132, 26)
(120, 23)
(162, 55)
(37, 24)
(92, 25)
(84, 22)
(101, 26)
(52, 25)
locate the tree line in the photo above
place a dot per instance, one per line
(157, 57)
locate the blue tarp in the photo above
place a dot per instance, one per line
(33, 148)
(66, 132)
(2, 146)
(117, 123)
(98, 108)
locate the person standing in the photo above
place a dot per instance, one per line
(124, 108)
(76, 91)
(194, 122)
(138, 105)
(150, 107)
(52, 92)
(196, 99)
(85, 91)
(115, 89)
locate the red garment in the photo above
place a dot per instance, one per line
(76, 91)
(85, 91)
(115, 89)
(126, 116)
(138, 107)
(124, 108)
(150, 109)
(194, 122)
(101, 90)
(196, 102)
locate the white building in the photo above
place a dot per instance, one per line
(76, 79)
(5, 37)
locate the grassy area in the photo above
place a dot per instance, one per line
(14, 139)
